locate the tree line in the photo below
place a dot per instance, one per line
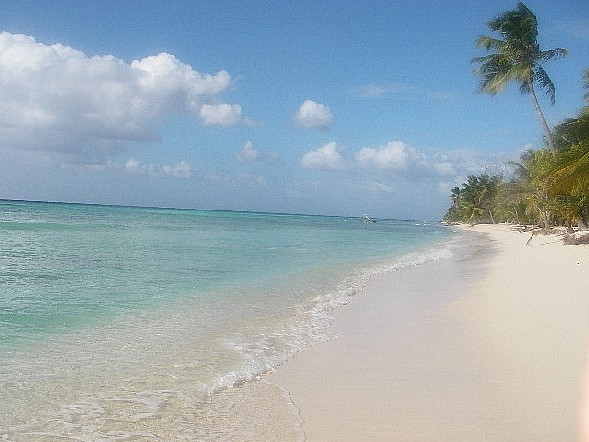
(548, 186)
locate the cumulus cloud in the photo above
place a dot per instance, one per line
(444, 168)
(312, 115)
(395, 155)
(220, 114)
(396, 162)
(326, 157)
(57, 99)
(248, 153)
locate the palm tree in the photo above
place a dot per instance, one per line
(488, 188)
(572, 173)
(455, 197)
(570, 176)
(517, 59)
(477, 197)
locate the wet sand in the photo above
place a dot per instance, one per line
(488, 345)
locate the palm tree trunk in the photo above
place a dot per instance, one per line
(547, 132)
(491, 215)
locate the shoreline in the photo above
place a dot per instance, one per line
(487, 345)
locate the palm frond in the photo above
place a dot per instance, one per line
(518, 24)
(524, 88)
(487, 43)
(520, 171)
(497, 71)
(542, 78)
(573, 177)
(553, 54)
(495, 83)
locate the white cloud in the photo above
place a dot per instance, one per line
(179, 170)
(376, 186)
(220, 114)
(326, 157)
(164, 73)
(444, 168)
(375, 90)
(248, 153)
(57, 99)
(314, 115)
(395, 155)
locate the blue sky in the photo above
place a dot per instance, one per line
(338, 107)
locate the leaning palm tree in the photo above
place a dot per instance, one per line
(517, 58)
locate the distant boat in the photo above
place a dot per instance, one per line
(368, 219)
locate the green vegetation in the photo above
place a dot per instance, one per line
(545, 188)
(549, 186)
(517, 58)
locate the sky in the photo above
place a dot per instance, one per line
(317, 107)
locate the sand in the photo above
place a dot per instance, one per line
(490, 345)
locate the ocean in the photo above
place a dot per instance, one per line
(142, 324)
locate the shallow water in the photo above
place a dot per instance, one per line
(122, 323)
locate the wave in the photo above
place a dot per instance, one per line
(272, 345)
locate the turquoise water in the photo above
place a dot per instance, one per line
(112, 317)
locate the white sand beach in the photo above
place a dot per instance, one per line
(488, 346)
